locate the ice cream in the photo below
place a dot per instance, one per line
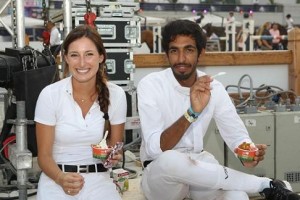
(246, 151)
(100, 151)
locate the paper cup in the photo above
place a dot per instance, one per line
(246, 155)
(100, 153)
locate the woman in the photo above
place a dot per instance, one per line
(264, 30)
(274, 31)
(69, 118)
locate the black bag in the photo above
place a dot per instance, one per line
(27, 87)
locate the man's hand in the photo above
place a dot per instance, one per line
(200, 93)
(258, 157)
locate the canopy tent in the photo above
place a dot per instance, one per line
(29, 21)
(210, 18)
(152, 21)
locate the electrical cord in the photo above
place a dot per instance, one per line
(132, 173)
(251, 87)
(6, 162)
(271, 92)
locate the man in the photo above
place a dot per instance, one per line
(230, 23)
(54, 37)
(289, 22)
(176, 106)
(231, 18)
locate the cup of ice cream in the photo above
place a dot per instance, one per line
(246, 152)
(100, 152)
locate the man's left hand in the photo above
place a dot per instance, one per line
(258, 157)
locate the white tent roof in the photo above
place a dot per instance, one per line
(210, 18)
(148, 20)
(29, 21)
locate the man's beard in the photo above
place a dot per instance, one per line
(182, 76)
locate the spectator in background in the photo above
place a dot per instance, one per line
(243, 36)
(231, 18)
(264, 30)
(289, 22)
(274, 31)
(230, 21)
(54, 41)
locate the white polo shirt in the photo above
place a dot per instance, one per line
(73, 133)
(162, 101)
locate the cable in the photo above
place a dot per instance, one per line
(251, 86)
(6, 162)
(270, 90)
(6, 145)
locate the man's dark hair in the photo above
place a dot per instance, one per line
(183, 27)
(288, 16)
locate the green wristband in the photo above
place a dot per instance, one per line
(194, 114)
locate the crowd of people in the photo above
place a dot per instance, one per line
(277, 32)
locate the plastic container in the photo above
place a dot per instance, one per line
(100, 153)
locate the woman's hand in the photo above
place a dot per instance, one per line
(113, 159)
(71, 183)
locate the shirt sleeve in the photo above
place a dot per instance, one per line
(45, 110)
(152, 122)
(118, 108)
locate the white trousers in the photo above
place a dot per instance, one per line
(175, 175)
(96, 186)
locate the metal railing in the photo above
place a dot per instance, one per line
(208, 7)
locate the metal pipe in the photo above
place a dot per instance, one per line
(6, 27)
(4, 6)
(20, 24)
(67, 17)
(21, 142)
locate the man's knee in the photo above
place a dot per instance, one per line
(172, 161)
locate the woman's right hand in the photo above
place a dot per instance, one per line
(71, 183)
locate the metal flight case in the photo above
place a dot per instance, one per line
(117, 32)
(119, 64)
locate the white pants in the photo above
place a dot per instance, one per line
(174, 176)
(96, 186)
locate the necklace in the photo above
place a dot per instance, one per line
(92, 98)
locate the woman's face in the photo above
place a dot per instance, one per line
(83, 60)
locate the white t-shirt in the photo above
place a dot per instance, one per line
(290, 23)
(73, 133)
(54, 36)
(162, 101)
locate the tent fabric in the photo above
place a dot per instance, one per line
(210, 18)
(29, 21)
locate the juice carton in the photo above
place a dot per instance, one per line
(120, 177)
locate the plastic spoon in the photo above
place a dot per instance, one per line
(218, 74)
(103, 141)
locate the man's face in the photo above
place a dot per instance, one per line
(183, 58)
